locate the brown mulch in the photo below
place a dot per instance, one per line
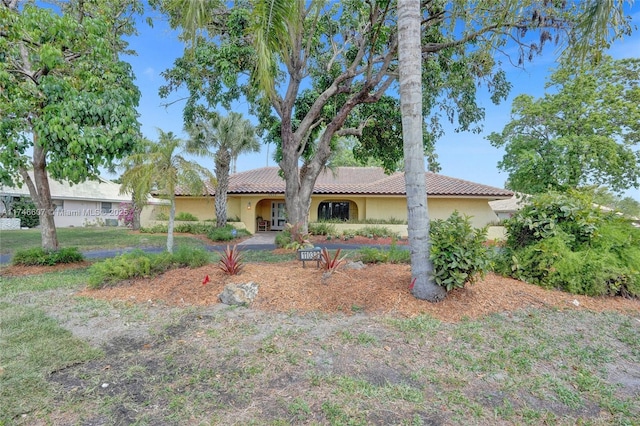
(20, 270)
(377, 289)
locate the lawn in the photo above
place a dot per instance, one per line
(90, 238)
(78, 360)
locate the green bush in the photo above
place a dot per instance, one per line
(39, 256)
(457, 251)
(191, 257)
(155, 229)
(226, 233)
(322, 228)
(283, 238)
(186, 217)
(140, 264)
(375, 232)
(564, 242)
(162, 215)
(193, 228)
(546, 215)
(378, 255)
(25, 210)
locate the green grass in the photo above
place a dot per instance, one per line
(33, 347)
(90, 239)
(68, 279)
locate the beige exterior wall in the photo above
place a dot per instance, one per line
(249, 207)
(479, 210)
(201, 207)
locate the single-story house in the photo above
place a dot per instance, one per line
(346, 193)
(90, 203)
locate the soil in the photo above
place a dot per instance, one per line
(375, 289)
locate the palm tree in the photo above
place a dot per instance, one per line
(410, 79)
(223, 138)
(160, 168)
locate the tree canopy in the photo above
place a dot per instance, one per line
(584, 131)
(161, 167)
(223, 138)
(322, 64)
(67, 102)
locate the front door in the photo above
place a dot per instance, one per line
(278, 219)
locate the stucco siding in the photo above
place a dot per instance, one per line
(201, 207)
(479, 210)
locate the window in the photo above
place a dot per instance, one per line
(106, 208)
(333, 210)
(58, 205)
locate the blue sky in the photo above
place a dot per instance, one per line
(462, 155)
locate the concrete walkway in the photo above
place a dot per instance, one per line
(260, 239)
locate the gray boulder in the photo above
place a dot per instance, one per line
(239, 294)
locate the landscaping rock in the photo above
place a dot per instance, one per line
(239, 294)
(354, 265)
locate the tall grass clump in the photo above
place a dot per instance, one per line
(137, 263)
(322, 228)
(186, 217)
(41, 257)
(563, 241)
(226, 233)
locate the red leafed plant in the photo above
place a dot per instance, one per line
(330, 263)
(206, 279)
(231, 261)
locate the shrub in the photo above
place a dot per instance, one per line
(372, 255)
(283, 238)
(127, 214)
(590, 253)
(375, 232)
(186, 217)
(193, 228)
(322, 228)
(226, 233)
(378, 255)
(457, 251)
(190, 257)
(231, 261)
(122, 267)
(162, 215)
(546, 215)
(25, 210)
(292, 238)
(140, 264)
(155, 229)
(39, 256)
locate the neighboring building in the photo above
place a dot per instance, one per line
(94, 202)
(505, 209)
(345, 193)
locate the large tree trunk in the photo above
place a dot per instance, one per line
(222, 162)
(299, 183)
(41, 196)
(410, 68)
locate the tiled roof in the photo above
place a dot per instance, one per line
(99, 190)
(358, 180)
